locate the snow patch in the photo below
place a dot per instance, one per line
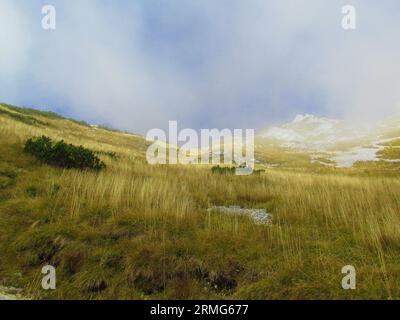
(259, 216)
(311, 132)
(346, 159)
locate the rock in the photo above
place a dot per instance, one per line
(10, 293)
(13, 290)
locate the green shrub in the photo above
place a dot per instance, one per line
(223, 170)
(232, 170)
(62, 154)
(258, 172)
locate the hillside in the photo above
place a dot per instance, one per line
(309, 132)
(136, 231)
(334, 142)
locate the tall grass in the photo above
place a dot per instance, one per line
(139, 231)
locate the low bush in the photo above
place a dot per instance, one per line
(223, 170)
(62, 154)
(232, 170)
(258, 172)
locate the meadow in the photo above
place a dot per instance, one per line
(140, 231)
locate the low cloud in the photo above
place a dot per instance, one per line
(204, 63)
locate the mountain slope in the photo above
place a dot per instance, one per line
(335, 140)
(308, 132)
(136, 231)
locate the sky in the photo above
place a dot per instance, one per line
(135, 65)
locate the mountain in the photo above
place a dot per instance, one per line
(308, 132)
(388, 129)
(337, 141)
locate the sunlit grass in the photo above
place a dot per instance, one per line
(140, 231)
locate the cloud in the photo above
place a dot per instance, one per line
(204, 63)
(13, 53)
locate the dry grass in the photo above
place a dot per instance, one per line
(136, 231)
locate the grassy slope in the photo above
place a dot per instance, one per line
(140, 231)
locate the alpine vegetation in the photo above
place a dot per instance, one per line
(62, 154)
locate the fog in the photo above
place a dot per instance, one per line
(135, 65)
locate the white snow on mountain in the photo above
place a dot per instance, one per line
(338, 140)
(310, 132)
(283, 134)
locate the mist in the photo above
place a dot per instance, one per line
(224, 64)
